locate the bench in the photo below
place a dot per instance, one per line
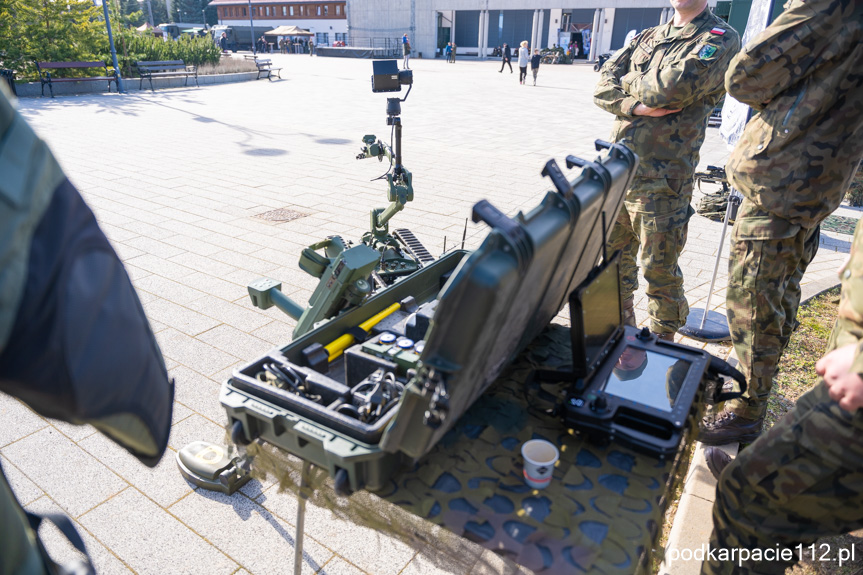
(265, 67)
(46, 78)
(148, 70)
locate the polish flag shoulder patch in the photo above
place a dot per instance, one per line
(718, 31)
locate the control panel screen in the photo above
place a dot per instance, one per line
(647, 377)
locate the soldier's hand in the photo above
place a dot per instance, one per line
(642, 110)
(845, 387)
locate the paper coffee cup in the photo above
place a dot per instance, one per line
(539, 459)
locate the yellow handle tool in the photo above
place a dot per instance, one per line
(339, 345)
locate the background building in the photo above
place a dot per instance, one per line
(327, 20)
(478, 26)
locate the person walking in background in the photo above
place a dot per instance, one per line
(223, 42)
(448, 51)
(406, 47)
(534, 64)
(311, 47)
(454, 47)
(506, 58)
(523, 58)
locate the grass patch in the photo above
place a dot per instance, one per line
(807, 345)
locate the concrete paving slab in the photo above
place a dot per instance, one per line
(25, 490)
(150, 540)
(198, 393)
(255, 538)
(69, 475)
(17, 420)
(179, 317)
(338, 566)
(163, 483)
(234, 341)
(192, 353)
(61, 551)
(74, 432)
(195, 428)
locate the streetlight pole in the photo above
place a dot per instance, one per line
(252, 30)
(113, 50)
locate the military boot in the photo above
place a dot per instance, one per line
(629, 311)
(717, 460)
(728, 427)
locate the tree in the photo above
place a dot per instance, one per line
(57, 31)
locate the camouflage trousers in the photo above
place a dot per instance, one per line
(655, 217)
(768, 258)
(800, 480)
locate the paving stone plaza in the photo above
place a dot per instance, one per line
(178, 179)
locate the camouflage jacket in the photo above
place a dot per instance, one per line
(804, 73)
(685, 71)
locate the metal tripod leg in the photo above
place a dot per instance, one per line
(301, 519)
(708, 325)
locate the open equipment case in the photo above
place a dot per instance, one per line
(457, 324)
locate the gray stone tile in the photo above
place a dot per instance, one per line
(206, 264)
(17, 420)
(179, 412)
(193, 354)
(179, 317)
(24, 489)
(69, 475)
(217, 287)
(198, 393)
(195, 428)
(208, 513)
(163, 483)
(242, 318)
(154, 247)
(150, 540)
(235, 342)
(61, 551)
(73, 432)
(160, 266)
(175, 292)
(338, 566)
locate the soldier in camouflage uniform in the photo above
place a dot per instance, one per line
(661, 88)
(793, 165)
(803, 478)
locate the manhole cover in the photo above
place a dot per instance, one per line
(839, 224)
(281, 215)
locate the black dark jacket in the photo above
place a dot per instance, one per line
(507, 53)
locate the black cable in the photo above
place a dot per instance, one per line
(384, 175)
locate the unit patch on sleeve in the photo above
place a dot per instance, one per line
(706, 52)
(718, 31)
